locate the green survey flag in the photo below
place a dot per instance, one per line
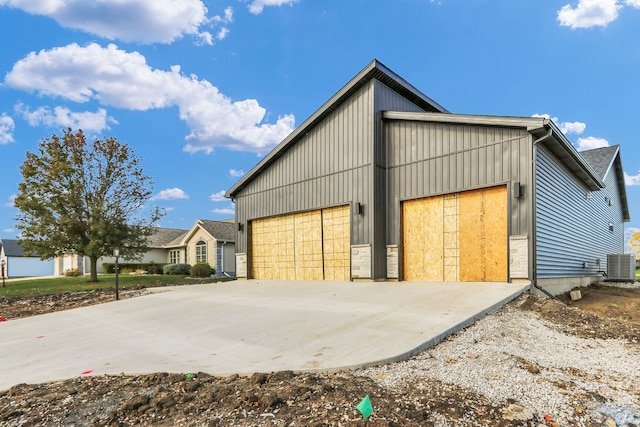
(365, 407)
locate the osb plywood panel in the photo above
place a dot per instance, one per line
(483, 235)
(311, 245)
(337, 242)
(308, 245)
(451, 255)
(272, 248)
(423, 242)
(496, 226)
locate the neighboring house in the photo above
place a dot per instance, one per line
(383, 183)
(21, 264)
(207, 241)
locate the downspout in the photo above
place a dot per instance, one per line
(222, 257)
(534, 280)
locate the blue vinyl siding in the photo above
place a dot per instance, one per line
(572, 228)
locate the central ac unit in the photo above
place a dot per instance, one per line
(621, 267)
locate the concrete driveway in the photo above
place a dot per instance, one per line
(244, 327)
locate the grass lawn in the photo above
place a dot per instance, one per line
(22, 288)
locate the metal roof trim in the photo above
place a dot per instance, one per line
(617, 164)
(528, 123)
(590, 176)
(374, 70)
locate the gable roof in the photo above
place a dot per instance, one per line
(605, 159)
(164, 236)
(218, 230)
(601, 159)
(13, 248)
(375, 70)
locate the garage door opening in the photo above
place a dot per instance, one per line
(456, 237)
(312, 245)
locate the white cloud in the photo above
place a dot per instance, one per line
(590, 13)
(171, 194)
(11, 201)
(236, 173)
(222, 34)
(257, 6)
(572, 127)
(591, 142)
(218, 197)
(8, 231)
(632, 179)
(225, 19)
(633, 3)
(123, 79)
(225, 211)
(143, 21)
(63, 116)
(565, 127)
(7, 127)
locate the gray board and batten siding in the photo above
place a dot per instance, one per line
(335, 158)
(573, 223)
(426, 158)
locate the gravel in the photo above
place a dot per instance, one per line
(515, 356)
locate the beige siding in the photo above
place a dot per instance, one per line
(199, 235)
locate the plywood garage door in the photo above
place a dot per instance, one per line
(483, 235)
(456, 237)
(312, 245)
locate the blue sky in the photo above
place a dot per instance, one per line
(201, 89)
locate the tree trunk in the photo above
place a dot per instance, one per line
(94, 268)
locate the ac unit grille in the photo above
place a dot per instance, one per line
(621, 267)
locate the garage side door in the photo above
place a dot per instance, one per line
(483, 235)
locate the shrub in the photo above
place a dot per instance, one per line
(154, 268)
(151, 268)
(201, 269)
(176, 269)
(72, 272)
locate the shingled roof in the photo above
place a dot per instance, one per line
(13, 248)
(219, 230)
(601, 159)
(164, 236)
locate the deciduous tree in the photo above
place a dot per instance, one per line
(84, 198)
(634, 243)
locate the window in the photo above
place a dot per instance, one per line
(201, 251)
(174, 256)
